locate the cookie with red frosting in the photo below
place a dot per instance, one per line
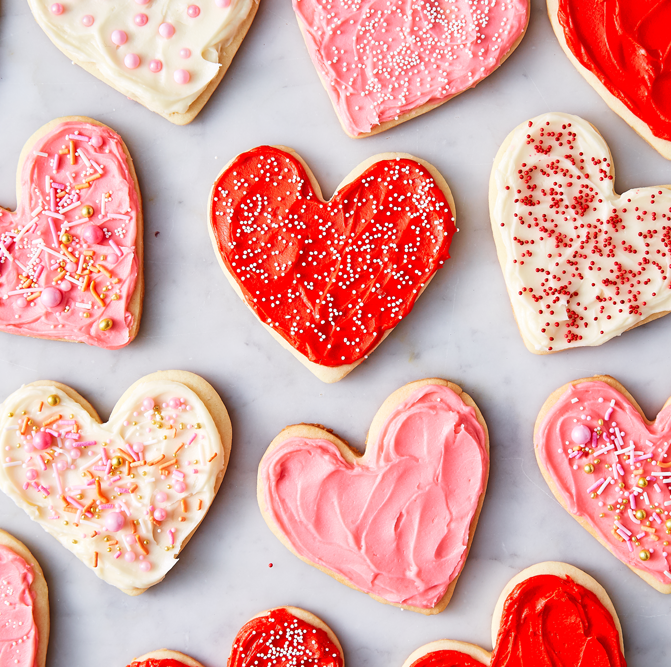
(610, 468)
(330, 279)
(24, 615)
(385, 63)
(71, 255)
(398, 521)
(165, 658)
(549, 614)
(621, 48)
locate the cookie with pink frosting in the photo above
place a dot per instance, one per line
(24, 615)
(610, 468)
(71, 265)
(396, 522)
(385, 63)
(168, 56)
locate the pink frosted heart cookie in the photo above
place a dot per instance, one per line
(169, 56)
(126, 496)
(71, 254)
(24, 612)
(397, 522)
(383, 63)
(610, 469)
(581, 263)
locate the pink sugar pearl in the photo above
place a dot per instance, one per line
(155, 66)
(42, 440)
(119, 37)
(148, 404)
(160, 514)
(96, 141)
(75, 454)
(161, 497)
(21, 302)
(92, 234)
(132, 61)
(31, 474)
(223, 3)
(115, 521)
(182, 76)
(174, 403)
(61, 465)
(57, 8)
(112, 258)
(180, 487)
(71, 267)
(142, 2)
(140, 19)
(581, 435)
(65, 286)
(129, 556)
(193, 11)
(185, 53)
(87, 20)
(51, 297)
(166, 30)
(145, 566)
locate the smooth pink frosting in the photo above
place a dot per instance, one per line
(556, 442)
(396, 523)
(117, 225)
(381, 59)
(18, 632)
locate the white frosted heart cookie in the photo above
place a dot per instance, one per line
(167, 55)
(24, 612)
(581, 263)
(127, 495)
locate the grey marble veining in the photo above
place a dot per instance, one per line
(461, 329)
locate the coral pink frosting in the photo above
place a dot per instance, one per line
(396, 523)
(47, 292)
(18, 632)
(628, 451)
(380, 60)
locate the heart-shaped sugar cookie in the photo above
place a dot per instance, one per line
(282, 637)
(169, 56)
(71, 254)
(396, 523)
(622, 47)
(610, 469)
(385, 62)
(125, 496)
(581, 263)
(24, 614)
(330, 279)
(549, 614)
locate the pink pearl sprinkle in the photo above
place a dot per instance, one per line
(193, 11)
(71, 267)
(223, 3)
(145, 566)
(129, 556)
(141, 19)
(92, 234)
(166, 30)
(87, 20)
(142, 2)
(31, 474)
(115, 521)
(51, 297)
(182, 76)
(160, 514)
(119, 37)
(174, 403)
(148, 404)
(180, 487)
(161, 497)
(96, 141)
(185, 53)
(581, 434)
(155, 65)
(112, 258)
(132, 61)
(75, 453)
(42, 440)
(21, 302)
(57, 8)
(61, 465)
(65, 286)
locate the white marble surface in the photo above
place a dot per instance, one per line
(461, 329)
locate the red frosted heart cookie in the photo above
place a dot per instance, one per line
(384, 63)
(126, 496)
(610, 469)
(330, 279)
(71, 254)
(24, 614)
(396, 522)
(549, 614)
(621, 47)
(581, 263)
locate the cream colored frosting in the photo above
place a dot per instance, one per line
(203, 35)
(46, 482)
(593, 263)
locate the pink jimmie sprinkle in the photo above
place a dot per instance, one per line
(608, 414)
(632, 501)
(596, 485)
(117, 554)
(171, 532)
(106, 506)
(192, 439)
(623, 535)
(629, 545)
(655, 516)
(75, 502)
(117, 250)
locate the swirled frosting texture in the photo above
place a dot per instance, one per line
(395, 523)
(82, 254)
(551, 621)
(628, 471)
(625, 44)
(447, 658)
(581, 263)
(381, 60)
(107, 33)
(330, 277)
(18, 631)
